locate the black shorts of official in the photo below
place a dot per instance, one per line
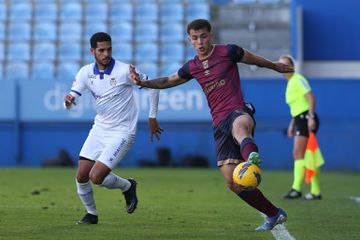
(227, 149)
(301, 124)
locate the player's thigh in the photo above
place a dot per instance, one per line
(300, 143)
(242, 127)
(117, 146)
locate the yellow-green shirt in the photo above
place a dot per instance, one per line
(296, 89)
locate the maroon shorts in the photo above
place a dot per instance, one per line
(227, 149)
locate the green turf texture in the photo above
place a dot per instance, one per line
(177, 203)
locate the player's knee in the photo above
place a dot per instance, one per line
(81, 178)
(96, 178)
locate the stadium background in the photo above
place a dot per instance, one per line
(43, 44)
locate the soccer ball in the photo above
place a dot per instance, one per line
(247, 175)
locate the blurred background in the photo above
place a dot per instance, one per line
(43, 43)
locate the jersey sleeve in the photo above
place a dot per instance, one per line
(235, 52)
(184, 72)
(154, 95)
(79, 87)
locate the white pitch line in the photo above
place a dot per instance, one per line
(356, 199)
(280, 232)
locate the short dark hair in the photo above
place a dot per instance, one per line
(198, 24)
(99, 37)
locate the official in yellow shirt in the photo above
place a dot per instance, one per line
(301, 102)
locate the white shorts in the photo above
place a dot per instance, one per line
(108, 147)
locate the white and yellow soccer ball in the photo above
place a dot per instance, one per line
(247, 175)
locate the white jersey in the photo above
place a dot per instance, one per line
(113, 92)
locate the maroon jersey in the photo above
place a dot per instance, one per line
(219, 78)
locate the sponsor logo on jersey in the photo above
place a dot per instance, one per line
(214, 85)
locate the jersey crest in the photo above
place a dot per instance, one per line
(113, 81)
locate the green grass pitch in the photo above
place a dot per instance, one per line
(173, 204)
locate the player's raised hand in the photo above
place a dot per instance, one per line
(154, 129)
(283, 68)
(135, 77)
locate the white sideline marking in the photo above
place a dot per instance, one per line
(356, 199)
(280, 232)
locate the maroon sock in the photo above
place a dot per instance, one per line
(258, 201)
(247, 146)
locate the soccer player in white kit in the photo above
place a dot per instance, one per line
(114, 128)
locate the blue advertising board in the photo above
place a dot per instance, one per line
(43, 101)
(7, 100)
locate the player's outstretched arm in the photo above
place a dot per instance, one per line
(157, 83)
(253, 59)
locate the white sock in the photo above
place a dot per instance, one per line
(86, 195)
(113, 181)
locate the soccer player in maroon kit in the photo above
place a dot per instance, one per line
(215, 69)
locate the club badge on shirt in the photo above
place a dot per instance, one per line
(91, 79)
(205, 64)
(113, 81)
